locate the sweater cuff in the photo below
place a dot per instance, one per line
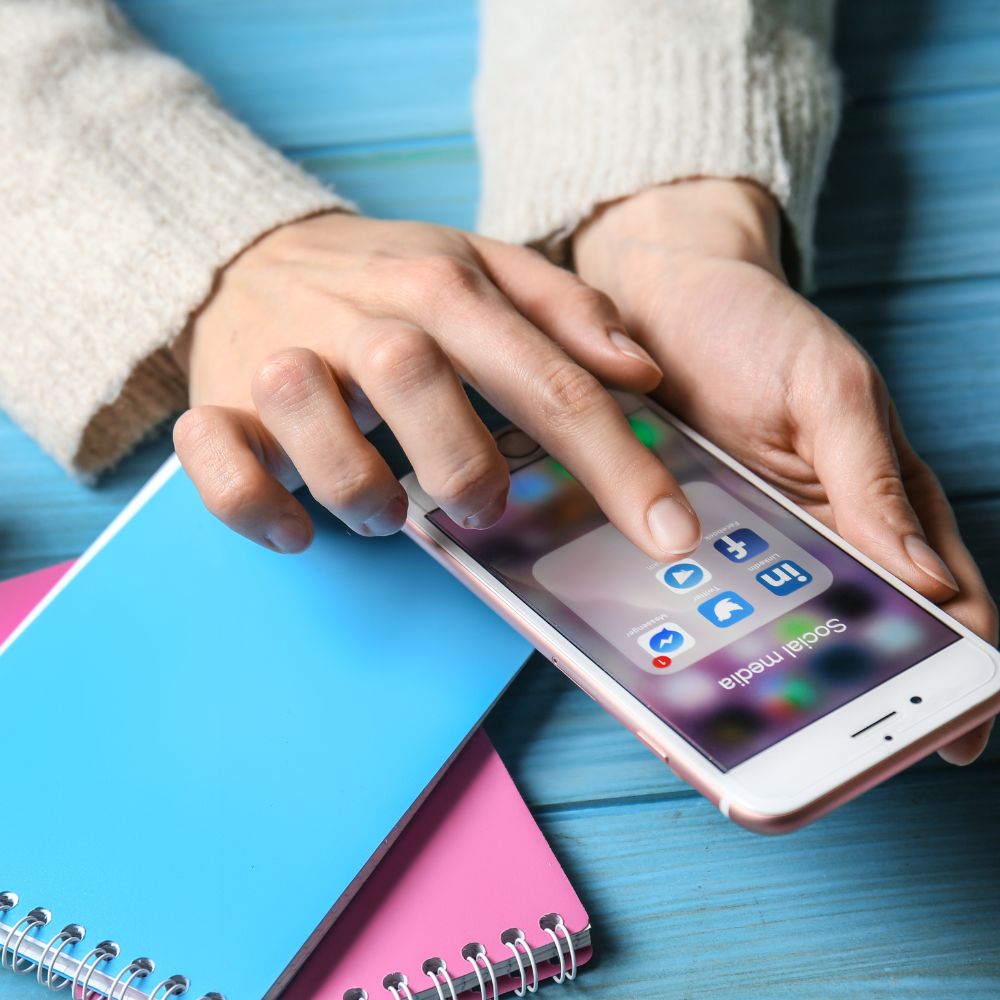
(129, 201)
(662, 97)
(200, 189)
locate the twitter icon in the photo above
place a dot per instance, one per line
(726, 609)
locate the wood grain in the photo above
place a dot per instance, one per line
(896, 895)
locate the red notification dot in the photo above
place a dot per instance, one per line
(661, 661)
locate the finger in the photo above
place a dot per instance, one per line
(532, 380)
(413, 385)
(973, 605)
(855, 460)
(581, 319)
(301, 405)
(968, 747)
(234, 464)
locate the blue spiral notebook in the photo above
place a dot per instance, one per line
(208, 746)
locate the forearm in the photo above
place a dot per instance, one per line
(584, 102)
(124, 187)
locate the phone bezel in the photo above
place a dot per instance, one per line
(959, 686)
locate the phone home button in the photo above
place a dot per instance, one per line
(516, 444)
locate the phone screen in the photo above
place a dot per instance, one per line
(764, 628)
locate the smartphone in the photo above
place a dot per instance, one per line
(776, 669)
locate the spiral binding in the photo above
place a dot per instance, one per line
(55, 949)
(397, 985)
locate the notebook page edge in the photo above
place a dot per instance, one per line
(152, 486)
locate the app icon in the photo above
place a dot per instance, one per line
(683, 576)
(740, 545)
(726, 609)
(784, 578)
(665, 640)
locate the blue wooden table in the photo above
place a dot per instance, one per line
(895, 895)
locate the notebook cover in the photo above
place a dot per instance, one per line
(470, 864)
(229, 737)
(473, 815)
(20, 595)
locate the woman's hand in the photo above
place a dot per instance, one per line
(694, 269)
(328, 325)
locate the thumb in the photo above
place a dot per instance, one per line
(856, 462)
(583, 321)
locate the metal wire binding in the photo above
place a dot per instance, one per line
(354, 993)
(71, 934)
(435, 967)
(105, 951)
(138, 968)
(38, 917)
(396, 981)
(176, 986)
(512, 937)
(551, 923)
(472, 953)
(45, 966)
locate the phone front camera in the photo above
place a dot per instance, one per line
(888, 738)
(916, 700)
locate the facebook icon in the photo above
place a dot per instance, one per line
(740, 545)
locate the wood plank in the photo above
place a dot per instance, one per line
(322, 72)
(886, 49)
(911, 193)
(910, 196)
(896, 895)
(434, 181)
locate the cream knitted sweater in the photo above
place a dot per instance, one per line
(124, 186)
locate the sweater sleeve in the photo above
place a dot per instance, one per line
(124, 187)
(581, 102)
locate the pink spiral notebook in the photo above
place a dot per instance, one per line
(469, 901)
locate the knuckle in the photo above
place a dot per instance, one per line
(441, 279)
(287, 378)
(590, 301)
(352, 486)
(569, 393)
(859, 379)
(193, 430)
(232, 493)
(450, 270)
(403, 358)
(887, 487)
(471, 483)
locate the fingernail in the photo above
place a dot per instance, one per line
(489, 515)
(631, 349)
(674, 525)
(288, 534)
(388, 520)
(928, 560)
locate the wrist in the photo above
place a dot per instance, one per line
(702, 217)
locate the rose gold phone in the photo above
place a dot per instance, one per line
(776, 669)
